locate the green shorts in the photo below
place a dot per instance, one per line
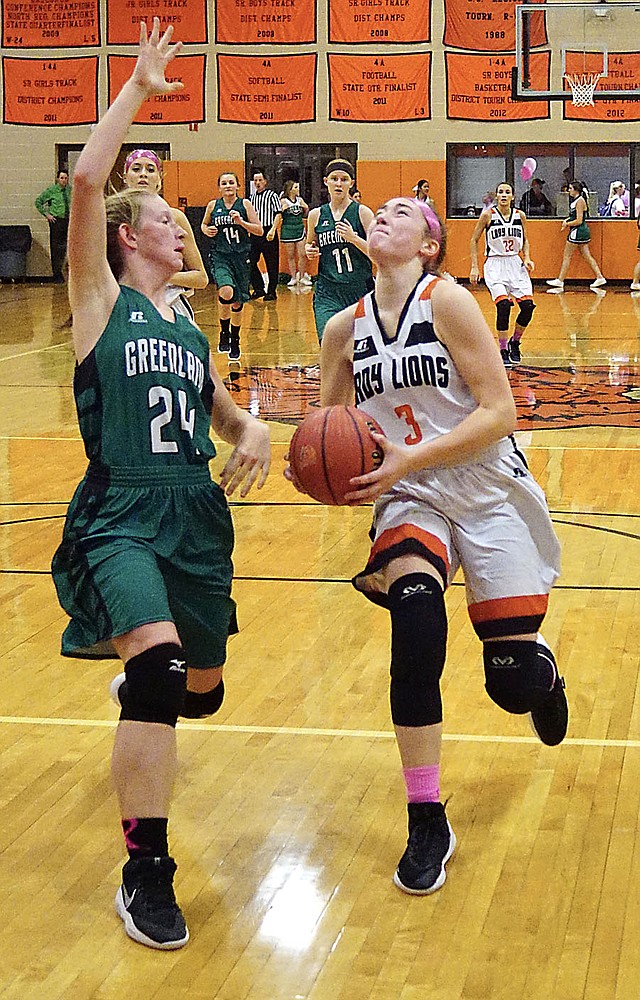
(135, 554)
(327, 301)
(234, 270)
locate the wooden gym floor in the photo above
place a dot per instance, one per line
(289, 814)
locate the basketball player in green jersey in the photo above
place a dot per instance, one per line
(144, 566)
(228, 221)
(336, 234)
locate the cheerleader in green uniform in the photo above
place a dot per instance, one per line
(579, 235)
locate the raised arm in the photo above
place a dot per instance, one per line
(194, 274)
(92, 287)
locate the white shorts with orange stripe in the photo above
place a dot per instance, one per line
(507, 277)
(490, 518)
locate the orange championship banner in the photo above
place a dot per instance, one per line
(50, 24)
(354, 22)
(272, 89)
(479, 87)
(623, 73)
(181, 108)
(389, 88)
(188, 17)
(266, 22)
(50, 91)
(488, 25)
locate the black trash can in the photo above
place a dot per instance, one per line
(15, 243)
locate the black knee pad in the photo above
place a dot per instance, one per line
(155, 686)
(526, 312)
(503, 309)
(237, 308)
(518, 674)
(418, 649)
(224, 302)
(198, 706)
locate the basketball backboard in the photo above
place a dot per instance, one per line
(553, 39)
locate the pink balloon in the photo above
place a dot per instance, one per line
(528, 168)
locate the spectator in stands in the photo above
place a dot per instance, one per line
(534, 202)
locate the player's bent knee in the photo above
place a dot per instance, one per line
(503, 309)
(156, 685)
(223, 300)
(418, 649)
(236, 307)
(199, 705)
(518, 674)
(526, 312)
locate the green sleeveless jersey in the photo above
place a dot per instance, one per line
(144, 394)
(341, 263)
(292, 228)
(229, 239)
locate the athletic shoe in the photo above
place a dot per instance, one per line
(270, 297)
(598, 283)
(306, 279)
(146, 903)
(550, 720)
(514, 351)
(257, 295)
(114, 688)
(234, 348)
(430, 845)
(555, 283)
(506, 357)
(295, 278)
(635, 286)
(223, 343)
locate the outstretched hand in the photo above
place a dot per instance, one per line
(154, 55)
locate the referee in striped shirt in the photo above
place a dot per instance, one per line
(267, 204)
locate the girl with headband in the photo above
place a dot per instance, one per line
(452, 490)
(143, 171)
(336, 238)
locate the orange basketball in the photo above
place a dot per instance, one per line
(330, 447)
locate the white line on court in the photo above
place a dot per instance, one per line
(367, 734)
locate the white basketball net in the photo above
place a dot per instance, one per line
(583, 86)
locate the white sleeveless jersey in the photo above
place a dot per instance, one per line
(505, 237)
(408, 384)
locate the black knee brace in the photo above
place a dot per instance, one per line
(418, 649)
(518, 673)
(526, 312)
(503, 309)
(198, 706)
(156, 684)
(237, 307)
(224, 302)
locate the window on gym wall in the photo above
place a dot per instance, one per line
(474, 170)
(303, 162)
(68, 153)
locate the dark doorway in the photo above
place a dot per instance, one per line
(304, 162)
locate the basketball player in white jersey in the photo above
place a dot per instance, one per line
(506, 268)
(453, 490)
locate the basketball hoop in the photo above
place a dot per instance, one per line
(583, 87)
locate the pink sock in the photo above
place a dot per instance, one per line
(503, 343)
(423, 783)
(517, 336)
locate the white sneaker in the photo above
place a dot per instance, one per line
(307, 280)
(598, 283)
(555, 283)
(293, 282)
(635, 286)
(114, 688)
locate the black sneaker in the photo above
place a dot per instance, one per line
(223, 343)
(430, 845)
(146, 903)
(549, 720)
(514, 351)
(234, 348)
(506, 357)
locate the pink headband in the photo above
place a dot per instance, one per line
(137, 154)
(430, 218)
